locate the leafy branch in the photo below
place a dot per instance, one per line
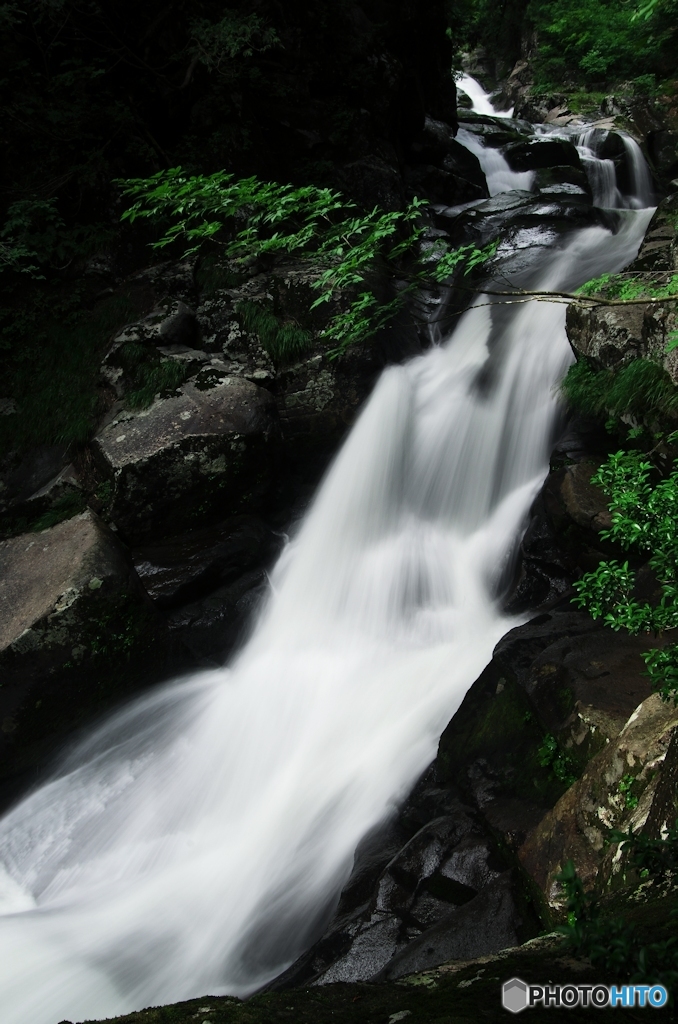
(343, 247)
(645, 518)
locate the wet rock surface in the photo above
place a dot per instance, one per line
(77, 630)
(184, 568)
(446, 893)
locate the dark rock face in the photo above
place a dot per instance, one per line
(77, 630)
(562, 179)
(445, 893)
(443, 170)
(185, 568)
(209, 582)
(210, 627)
(441, 186)
(663, 147)
(371, 181)
(530, 155)
(22, 480)
(211, 445)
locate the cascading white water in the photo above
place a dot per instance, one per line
(480, 100)
(197, 841)
(499, 176)
(602, 172)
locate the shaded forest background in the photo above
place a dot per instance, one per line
(295, 91)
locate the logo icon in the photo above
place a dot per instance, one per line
(514, 995)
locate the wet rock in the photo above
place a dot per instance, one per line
(576, 828)
(530, 155)
(490, 749)
(562, 179)
(211, 627)
(520, 220)
(76, 629)
(544, 571)
(210, 450)
(436, 145)
(422, 909)
(184, 568)
(490, 922)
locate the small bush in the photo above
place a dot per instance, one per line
(153, 379)
(283, 342)
(641, 390)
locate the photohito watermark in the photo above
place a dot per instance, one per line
(517, 995)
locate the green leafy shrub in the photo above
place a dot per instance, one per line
(644, 518)
(600, 40)
(551, 756)
(613, 945)
(255, 220)
(630, 285)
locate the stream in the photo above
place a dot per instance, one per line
(198, 840)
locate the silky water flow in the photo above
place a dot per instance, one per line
(197, 841)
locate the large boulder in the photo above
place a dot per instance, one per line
(445, 171)
(76, 630)
(317, 397)
(208, 450)
(622, 787)
(532, 154)
(442, 187)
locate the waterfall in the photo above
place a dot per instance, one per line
(602, 171)
(480, 101)
(196, 842)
